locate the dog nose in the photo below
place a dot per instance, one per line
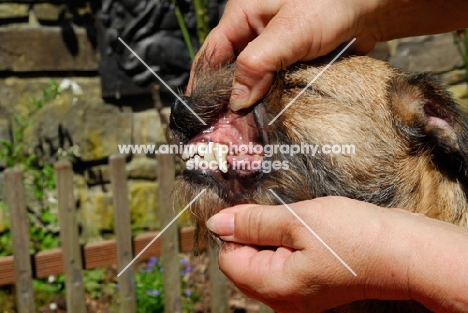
(183, 120)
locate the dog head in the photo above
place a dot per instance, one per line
(364, 130)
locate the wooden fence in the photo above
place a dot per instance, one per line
(72, 258)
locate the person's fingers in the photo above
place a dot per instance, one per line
(257, 225)
(267, 36)
(281, 43)
(241, 22)
(257, 268)
(290, 36)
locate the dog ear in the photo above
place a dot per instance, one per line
(431, 118)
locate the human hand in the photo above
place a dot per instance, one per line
(297, 273)
(266, 36)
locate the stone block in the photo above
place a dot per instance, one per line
(144, 206)
(22, 1)
(47, 11)
(97, 211)
(137, 168)
(147, 128)
(453, 77)
(459, 91)
(16, 92)
(83, 122)
(463, 104)
(46, 49)
(165, 116)
(142, 168)
(381, 51)
(435, 53)
(13, 11)
(103, 131)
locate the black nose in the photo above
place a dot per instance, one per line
(183, 123)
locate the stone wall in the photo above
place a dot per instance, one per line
(436, 54)
(44, 40)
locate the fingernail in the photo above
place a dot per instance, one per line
(221, 224)
(240, 97)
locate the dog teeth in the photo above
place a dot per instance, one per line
(192, 151)
(223, 167)
(212, 152)
(209, 155)
(201, 148)
(220, 154)
(217, 153)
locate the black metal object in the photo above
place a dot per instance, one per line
(150, 28)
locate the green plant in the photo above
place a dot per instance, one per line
(12, 152)
(51, 285)
(93, 281)
(460, 39)
(150, 292)
(5, 237)
(40, 178)
(47, 288)
(200, 7)
(40, 181)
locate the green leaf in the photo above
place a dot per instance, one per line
(48, 217)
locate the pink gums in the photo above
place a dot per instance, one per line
(234, 129)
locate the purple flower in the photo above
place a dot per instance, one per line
(184, 262)
(117, 286)
(149, 292)
(161, 270)
(188, 292)
(187, 270)
(156, 292)
(152, 261)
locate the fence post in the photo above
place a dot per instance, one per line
(19, 233)
(170, 238)
(72, 258)
(123, 233)
(219, 297)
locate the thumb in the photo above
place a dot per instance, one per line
(257, 225)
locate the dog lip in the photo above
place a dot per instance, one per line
(259, 114)
(235, 190)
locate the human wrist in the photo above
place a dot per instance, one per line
(435, 270)
(419, 258)
(386, 275)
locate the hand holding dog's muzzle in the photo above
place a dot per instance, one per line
(272, 257)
